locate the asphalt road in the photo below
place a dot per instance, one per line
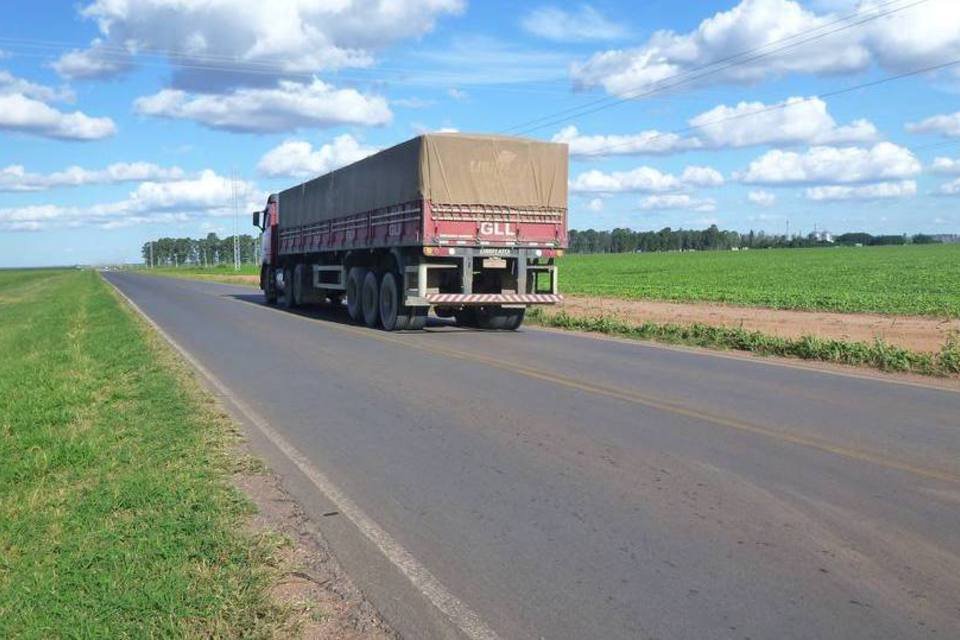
(564, 486)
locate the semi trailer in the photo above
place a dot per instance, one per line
(469, 225)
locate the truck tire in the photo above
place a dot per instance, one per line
(286, 294)
(355, 292)
(371, 300)
(466, 317)
(393, 315)
(269, 286)
(514, 318)
(489, 318)
(297, 285)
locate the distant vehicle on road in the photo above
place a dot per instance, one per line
(467, 224)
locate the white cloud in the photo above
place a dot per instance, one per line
(98, 61)
(795, 121)
(644, 179)
(595, 205)
(208, 194)
(919, 36)
(701, 177)
(947, 125)
(678, 201)
(205, 38)
(833, 165)
(458, 94)
(23, 114)
(288, 106)
(878, 191)
(11, 84)
(643, 143)
(951, 188)
(945, 166)
(762, 198)
(16, 178)
(560, 25)
(24, 109)
(298, 158)
(419, 128)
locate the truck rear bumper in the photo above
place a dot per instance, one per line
(456, 299)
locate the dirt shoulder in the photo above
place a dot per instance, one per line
(321, 600)
(914, 333)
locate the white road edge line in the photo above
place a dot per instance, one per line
(461, 615)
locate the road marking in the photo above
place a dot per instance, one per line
(633, 397)
(459, 614)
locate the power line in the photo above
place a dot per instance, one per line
(230, 64)
(708, 70)
(784, 105)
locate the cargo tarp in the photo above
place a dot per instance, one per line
(445, 168)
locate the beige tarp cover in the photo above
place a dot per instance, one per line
(445, 168)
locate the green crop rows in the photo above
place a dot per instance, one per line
(906, 280)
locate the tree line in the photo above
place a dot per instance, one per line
(622, 240)
(201, 252)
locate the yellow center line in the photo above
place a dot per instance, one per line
(632, 397)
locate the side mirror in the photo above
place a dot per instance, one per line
(256, 219)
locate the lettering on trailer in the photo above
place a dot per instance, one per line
(495, 229)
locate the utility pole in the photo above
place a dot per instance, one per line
(236, 223)
(151, 254)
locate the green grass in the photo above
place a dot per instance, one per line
(223, 269)
(908, 280)
(117, 519)
(878, 354)
(221, 273)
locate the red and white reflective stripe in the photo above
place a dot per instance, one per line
(493, 298)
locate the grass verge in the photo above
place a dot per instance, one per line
(247, 276)
(878, 354)
(117, 517)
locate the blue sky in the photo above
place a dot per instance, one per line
(124, 120)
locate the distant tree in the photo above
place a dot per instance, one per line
(854, 238)
(889, 240)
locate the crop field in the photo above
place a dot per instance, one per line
(116, 516)
(904, 280)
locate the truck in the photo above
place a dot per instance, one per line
(468, 225)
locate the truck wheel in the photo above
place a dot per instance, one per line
(286, 295)
(354, 292)
(490, 318)
(371, 300)
(393, 315)
(297, 284)
(269, 286)
(514, 318)
(466, 317)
